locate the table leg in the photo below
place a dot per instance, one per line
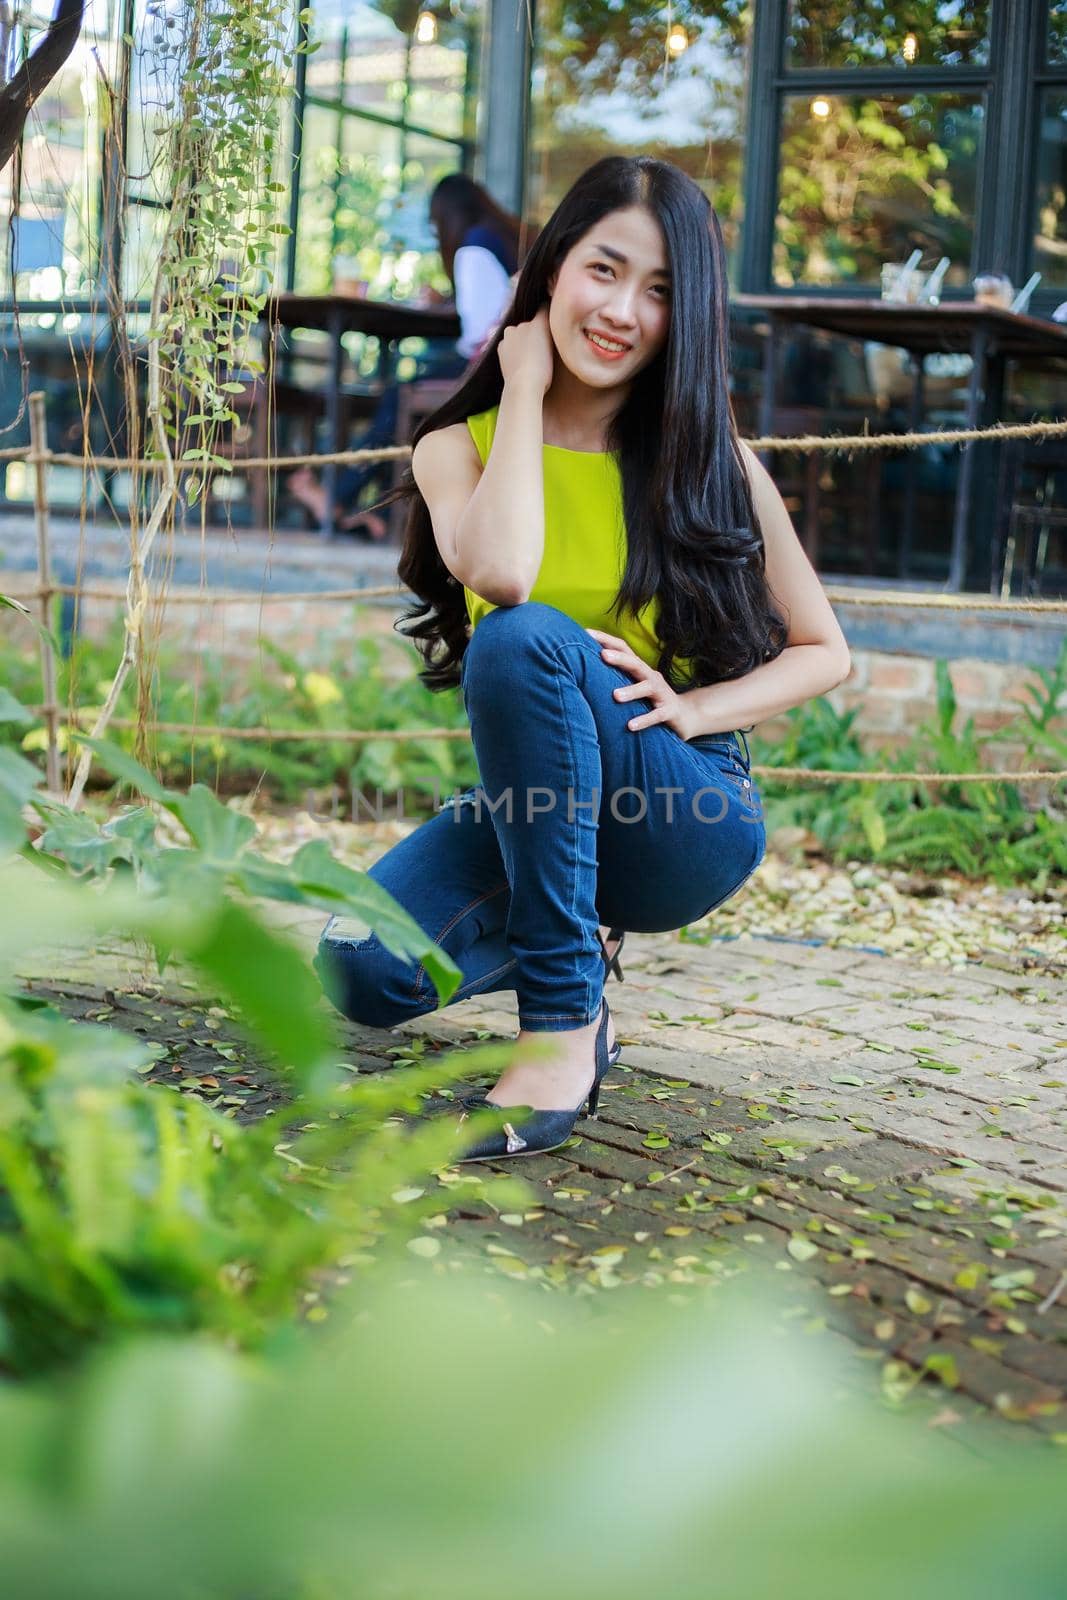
(386, 360)
(770, 386)
(988, 499)
(965, 483)
(333, 423)
(915, 417)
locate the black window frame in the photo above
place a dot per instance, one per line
(1010, 85)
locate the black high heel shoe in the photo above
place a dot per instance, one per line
(612, 962)
(541, 1130)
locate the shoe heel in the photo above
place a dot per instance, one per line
(544, 1130)
(612, 963)
(603, 1062)
(615, 964)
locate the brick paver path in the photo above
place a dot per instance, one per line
(895, 1134)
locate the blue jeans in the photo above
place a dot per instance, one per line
(577, 821)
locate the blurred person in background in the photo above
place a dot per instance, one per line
(479, 245)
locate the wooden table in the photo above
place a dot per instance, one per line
(989, 335)
(337, 314)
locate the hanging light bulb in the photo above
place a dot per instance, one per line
(820, 107)
(910, 48)
(426, 28)
(677, 39)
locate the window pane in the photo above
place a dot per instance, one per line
(866, 181)
(145, 229)
(366, 56)
(350, 176)
(880, 33)
(1050, 236)
(56, 234)
(368, 200)
(439, 76)
(605, 83)
(1057, 32)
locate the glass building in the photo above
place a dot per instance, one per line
(834, 137)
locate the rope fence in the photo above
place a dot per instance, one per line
(201, 731)
(837, 593)
(40, 457)
(802, 444)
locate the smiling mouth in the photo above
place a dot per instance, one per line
(608, 347)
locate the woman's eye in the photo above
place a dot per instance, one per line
(601, 266)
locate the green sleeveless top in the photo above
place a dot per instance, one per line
(585, 544)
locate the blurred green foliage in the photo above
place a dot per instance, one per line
(350, 681)
(128, 1207)
(463, 1436)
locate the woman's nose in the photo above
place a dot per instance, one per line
(622, 307)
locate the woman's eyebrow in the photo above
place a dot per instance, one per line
(617, 255)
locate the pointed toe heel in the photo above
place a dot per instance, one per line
(542, 1130)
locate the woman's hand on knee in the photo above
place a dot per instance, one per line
(667, 705)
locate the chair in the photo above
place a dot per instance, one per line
(260, 408)
(1034, 527)
(1031, 531)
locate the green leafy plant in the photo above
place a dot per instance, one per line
(978, 829)
(217, 858)
(348, 681)
(125, 1205)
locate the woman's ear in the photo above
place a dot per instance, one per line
(550, 286)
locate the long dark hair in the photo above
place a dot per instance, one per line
(459, 204)
(692, 533)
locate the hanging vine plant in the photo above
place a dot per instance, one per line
(219, 75)
(228, 61)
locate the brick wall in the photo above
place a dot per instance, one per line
(202, 634)
(895, 694)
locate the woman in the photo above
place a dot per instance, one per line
(592, 450)
(479, 244)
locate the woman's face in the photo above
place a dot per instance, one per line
(610, 305)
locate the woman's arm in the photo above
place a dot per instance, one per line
(816, 657)
(489, 522)
(446, 468)
(502, 529)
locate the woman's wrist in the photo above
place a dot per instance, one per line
(524, 384)
(697, 707)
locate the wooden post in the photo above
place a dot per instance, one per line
(45, 591)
